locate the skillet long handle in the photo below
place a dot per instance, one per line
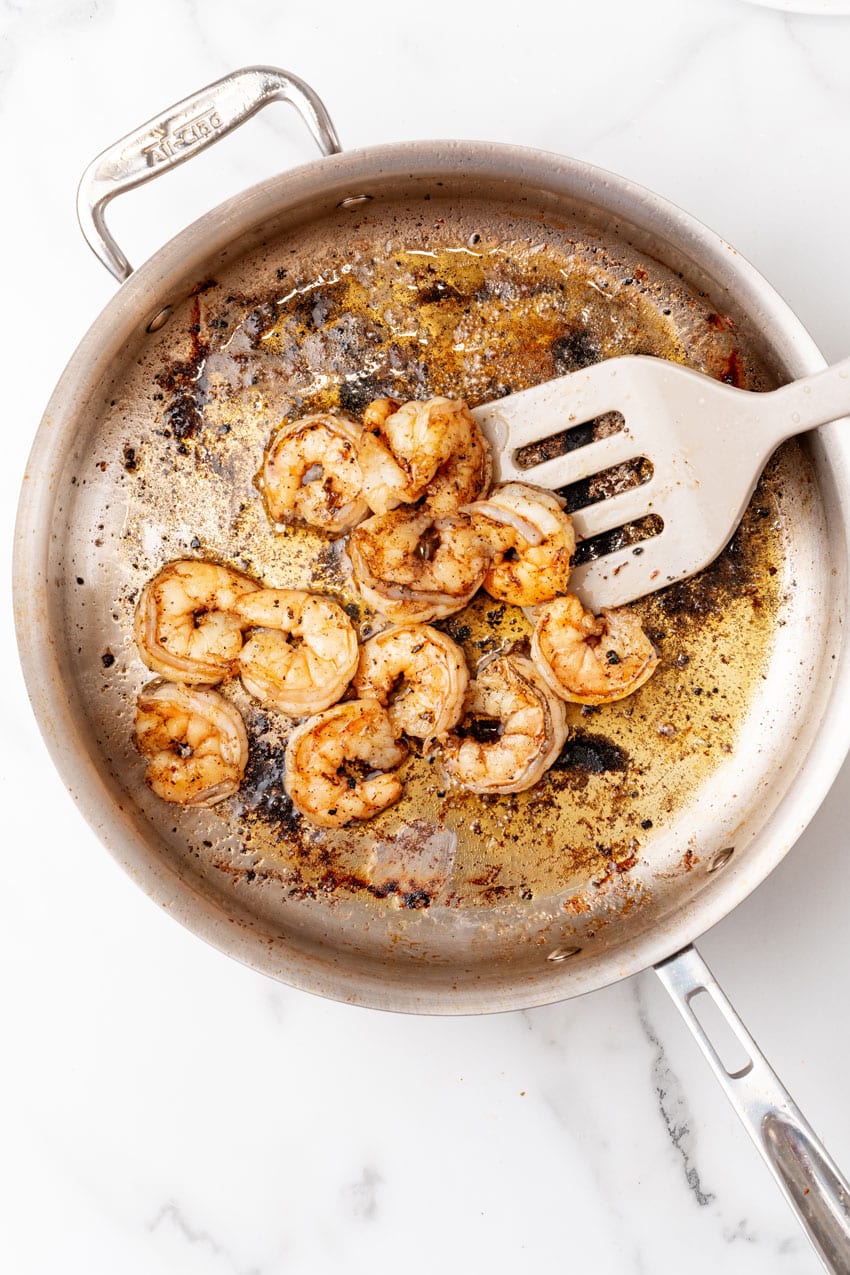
(182, 131)
(809, 1178)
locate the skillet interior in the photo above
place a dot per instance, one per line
(458, 285)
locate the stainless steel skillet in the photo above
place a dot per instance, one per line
(83, 545)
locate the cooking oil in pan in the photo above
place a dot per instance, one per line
(419, 306)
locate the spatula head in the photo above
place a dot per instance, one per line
(685, 452)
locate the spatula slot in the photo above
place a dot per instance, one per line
(581, 434)
(633, 533)
(610, 482)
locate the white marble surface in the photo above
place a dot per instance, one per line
(167, 1110)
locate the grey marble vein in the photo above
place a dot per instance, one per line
(170, 1215)
(23, 25)
(363, 1194)
(739, 1232)
(12, 9)
(662, 90)
(675, 1112)
(274, 1001)
(672, 1103)
(832, 83)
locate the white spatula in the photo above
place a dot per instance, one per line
(707, 444)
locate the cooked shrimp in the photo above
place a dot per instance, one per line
(513, 729)
(311, 473)
(532, 541)
(418, 674)
(194, 740)
(185, 626)
(588, 659)
(433, 450)
(414, 567)
(302, 653)
(340, 763)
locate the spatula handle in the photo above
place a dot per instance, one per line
(809, 1179)
(807, 403)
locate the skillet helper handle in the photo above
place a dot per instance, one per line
(808, 1177)
(179, 133)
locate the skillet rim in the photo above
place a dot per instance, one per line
(144, 293)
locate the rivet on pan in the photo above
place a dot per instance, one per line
(563, 953)
(159, 320)
(351, 201)
(721, 859)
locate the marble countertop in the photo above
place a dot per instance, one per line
(166, 1109)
